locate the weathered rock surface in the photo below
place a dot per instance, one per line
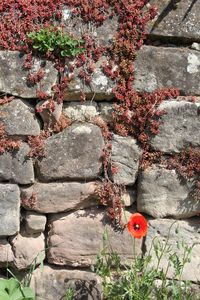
(16, 166)
(53, 282)
(188, 232)
(125, 156)
(179, 127)
(106, 109)
(77, 111)
(176, 19)
(6, 254)
(161, 194)
(161, 67)
(27, 250)
(75, 239)
(35, 222)
(9, 209)
(13, 76)
(75, 153)
(59, 197)
(100, 87)
(23, 119)
(155, 68)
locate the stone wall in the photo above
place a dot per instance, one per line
(50, 205)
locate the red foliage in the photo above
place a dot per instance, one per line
(7, 144)
(37, 144)
(110, 195)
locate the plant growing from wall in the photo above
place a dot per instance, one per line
(145, 278)
(54, 40)
(12, 289)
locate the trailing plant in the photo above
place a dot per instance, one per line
(145, 278)
(54, 40)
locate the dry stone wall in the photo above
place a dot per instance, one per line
(50, 205)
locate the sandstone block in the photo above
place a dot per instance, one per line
(58, 197)
(161, 194)
(53, 282)
(188, 232)
(13, 76)
(161, 67)
(23, 119)
(16, 166)
(6, 254)
(179, 127)
(125, 156)
(173, 13)
(28, 250)
(9, 209)
(75, 239)
(75, 153)
(35, 222)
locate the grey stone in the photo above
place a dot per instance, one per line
(35, 222)
(176, 19)
(75, 153)
(28, 250)
(129, 197)
(75, 239)
(13, 76)
(23, 119)
(106, 109)
(188, 233)
(77, 111)
(161, 67)
(125, 156)
(9, 209)
(161, 194)
(179, 127)
(58, 197)
(78, 27)
(100, 87)
(16, 166)
(6, 254)
(52, 283)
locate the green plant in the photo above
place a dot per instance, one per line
(69, 295)
(54, 40)
(12, 289)
(145, 278)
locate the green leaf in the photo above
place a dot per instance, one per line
(4, 296)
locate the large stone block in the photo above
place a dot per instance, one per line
(188, 232)
(52, 283)
(13, 76)
(9, 209)
(162, 194)
(161, 67)
(28, 250)
(75, 153)
(23, 118)
(16, 166)
(176, 19)
(59, 197)
(179, 126)
(75, 239)
(125, 156)
(6, 254)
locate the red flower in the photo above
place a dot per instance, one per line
(137, 225)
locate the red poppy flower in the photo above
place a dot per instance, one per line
(137, 225)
